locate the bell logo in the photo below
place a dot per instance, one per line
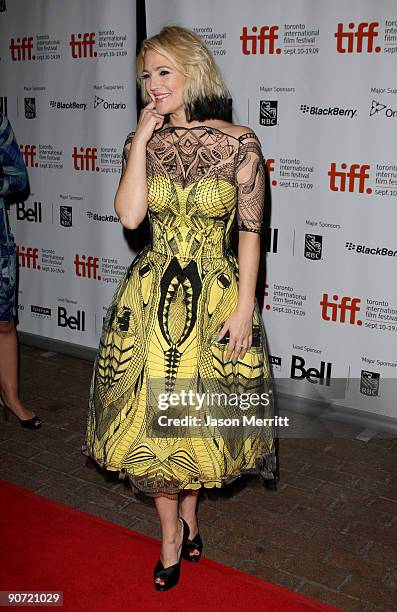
(86, 267)
(76, 322)
(82, 45)
(298, 371)
(28, 257)
(352, 179)
(84, 160)
(29, 155)
(266, 38)
(346, 304)
(353, 41)
(21, 49)
(32, 214)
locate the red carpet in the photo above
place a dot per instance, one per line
(101, 566)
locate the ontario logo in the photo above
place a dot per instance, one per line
(102, 103)
(357, 37)
(378, 108)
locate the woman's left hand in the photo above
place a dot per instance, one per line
(239, 326)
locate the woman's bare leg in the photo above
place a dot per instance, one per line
(171, 531)
(9, 370)
(188, 511)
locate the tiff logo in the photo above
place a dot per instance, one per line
(82, 45)
(266, 38)
(355, 38)
(21, 49)
(351, 180)
(28, 257)
(85, 159)
(86, 267)
(29, 155)
(346, 304)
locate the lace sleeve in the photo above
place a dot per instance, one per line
(250, 177)
(125, 153)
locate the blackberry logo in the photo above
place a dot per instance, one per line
(329, 111)
(313, 246)
(369, 383)
(366, 250)
(268, 112)
(30, 108)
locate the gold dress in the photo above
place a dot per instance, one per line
(175, 297)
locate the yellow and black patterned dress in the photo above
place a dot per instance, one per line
(156, 339)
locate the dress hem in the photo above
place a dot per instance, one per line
(200, 484)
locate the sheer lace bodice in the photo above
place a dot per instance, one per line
(200, 180)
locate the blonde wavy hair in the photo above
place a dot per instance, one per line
(205, 94)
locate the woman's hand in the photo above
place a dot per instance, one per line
(149, 120)
(239, 326)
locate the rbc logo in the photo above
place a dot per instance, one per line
(298, 371)
(86, 268)
(21, 49)
(365, 31)
(313, 246)
(346, 304)
(267, 37)
(76, 322)
(85, 159)
(82, 45)
(349, 180)
(32, 214)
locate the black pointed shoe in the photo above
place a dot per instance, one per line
(170, 574)
(33, 423)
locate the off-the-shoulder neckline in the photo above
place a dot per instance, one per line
(206, 127)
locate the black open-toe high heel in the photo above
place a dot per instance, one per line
(33, 423)
(170, 574)
(190, 546)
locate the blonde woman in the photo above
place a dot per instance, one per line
(185, 317)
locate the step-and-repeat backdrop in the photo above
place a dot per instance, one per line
(314, 80)
(67, 85)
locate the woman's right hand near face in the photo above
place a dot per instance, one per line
(149, 120)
